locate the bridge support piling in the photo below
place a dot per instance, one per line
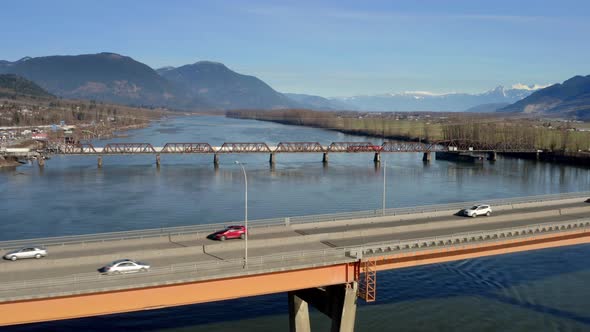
(325, 158)
(216, 160)
(99, 162)
(427, 157)
(492, 156)
(377, 157)
(298, 314)
(271, 159)
(337, 302)
(158, 160)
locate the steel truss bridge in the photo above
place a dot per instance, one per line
(287, 147)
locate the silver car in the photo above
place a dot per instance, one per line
(124, 266)
(26, 252)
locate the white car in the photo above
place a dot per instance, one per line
(477, 210)
(124, 266)
(26, 252)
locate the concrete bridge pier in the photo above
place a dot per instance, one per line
(325, 158)
(216, 160)
(337, 302)
(492, 156)
(158, 160)
(427, 157)
(271, 159)
(377, 157)
(99, 162)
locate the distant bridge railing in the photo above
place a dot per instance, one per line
(224, 268)
(206, 229)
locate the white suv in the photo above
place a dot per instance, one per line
(477, 210)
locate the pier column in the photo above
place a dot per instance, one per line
(427, 157)
(41, 161)
(298, 314)
(377, 157)
(325, 158)
(158, 160)
(216, 159)
(492, 156)
(271, 160)
(99, 161)
(337, 302)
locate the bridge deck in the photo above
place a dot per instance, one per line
(191, 256)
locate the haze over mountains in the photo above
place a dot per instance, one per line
(450, 102)
(207, 85)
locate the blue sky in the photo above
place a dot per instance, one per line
(337, 48)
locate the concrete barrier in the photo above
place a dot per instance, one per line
(548, 203)
(575, 210)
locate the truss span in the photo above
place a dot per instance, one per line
(244, 148)
(187, 148)
(354, 147)
(128, 148)
(411, 147)
(80, 148)
(303, 147)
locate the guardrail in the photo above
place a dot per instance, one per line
(326, 256)
(275, 222)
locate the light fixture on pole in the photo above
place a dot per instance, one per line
(245, 214)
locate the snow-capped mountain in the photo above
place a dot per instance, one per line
(411, 101)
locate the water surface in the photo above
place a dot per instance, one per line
(541, 290)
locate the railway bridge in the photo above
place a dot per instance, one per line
(451, 146)
(326, 261)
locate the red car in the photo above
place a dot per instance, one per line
(231, 232)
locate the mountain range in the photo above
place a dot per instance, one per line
(12, 86)
(216, 84)
(415, 101)
(568, 99)
(207, 85)
(104, 76)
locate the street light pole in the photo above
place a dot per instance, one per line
(384, 174)
(245, 213)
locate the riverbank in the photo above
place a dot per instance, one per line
(430, 128)
(9, 162)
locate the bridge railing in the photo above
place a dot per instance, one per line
(206, 229)
(304, 258)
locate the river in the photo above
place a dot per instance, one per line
(542, 290)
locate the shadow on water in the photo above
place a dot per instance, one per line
(489, 278)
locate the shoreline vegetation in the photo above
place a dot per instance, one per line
(431, 127)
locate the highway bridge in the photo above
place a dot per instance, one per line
(326, 261)
(88, 149)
